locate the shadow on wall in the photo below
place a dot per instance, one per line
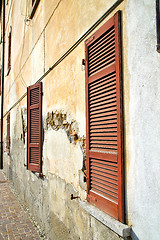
(133, 235)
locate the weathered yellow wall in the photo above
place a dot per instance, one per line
(36, 45)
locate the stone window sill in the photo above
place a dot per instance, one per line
(34, 7)
(116, 226)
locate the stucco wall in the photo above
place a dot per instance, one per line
(143, 182)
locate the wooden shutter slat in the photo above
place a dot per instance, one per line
(104, 54)
(103, 184)
(107, 95)
(105, 189)
(34, 127)
(105, 146)
(102, 38)
(100, 47)
(104, 118)
(103, 57)
(111, 108)
(102, 106)
(108, 165)
(104, 193)
(102, 168)
(103, 92)
(112, 132)
(103, 134)
(104, 114)
(106, 177)
(100, 75)
(102, 60)
(103, 140)
(104, 124)
(102, 127)
(102, 85)
(97, 101)
(110, 60)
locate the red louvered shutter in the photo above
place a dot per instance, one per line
(9, 51)
(34, 100)
(105, 187)
(0, 80)
(8, 133)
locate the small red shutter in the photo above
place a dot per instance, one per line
(0, 80)
(34, 99)
(104, 119)
(8, 133)
(9, 51)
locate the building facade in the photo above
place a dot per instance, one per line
(80, 100)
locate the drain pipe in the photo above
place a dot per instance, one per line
(2, 84)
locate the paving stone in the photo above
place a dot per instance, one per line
(14, 222)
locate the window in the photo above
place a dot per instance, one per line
(8, 133)
(105, 188)
(9, 52)
(34, 122)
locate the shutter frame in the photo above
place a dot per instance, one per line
(114, 208)
(34, 127)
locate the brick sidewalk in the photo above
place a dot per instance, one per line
(14, 222)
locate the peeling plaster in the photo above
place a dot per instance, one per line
(59, 120)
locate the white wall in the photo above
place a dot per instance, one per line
(143, 177)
